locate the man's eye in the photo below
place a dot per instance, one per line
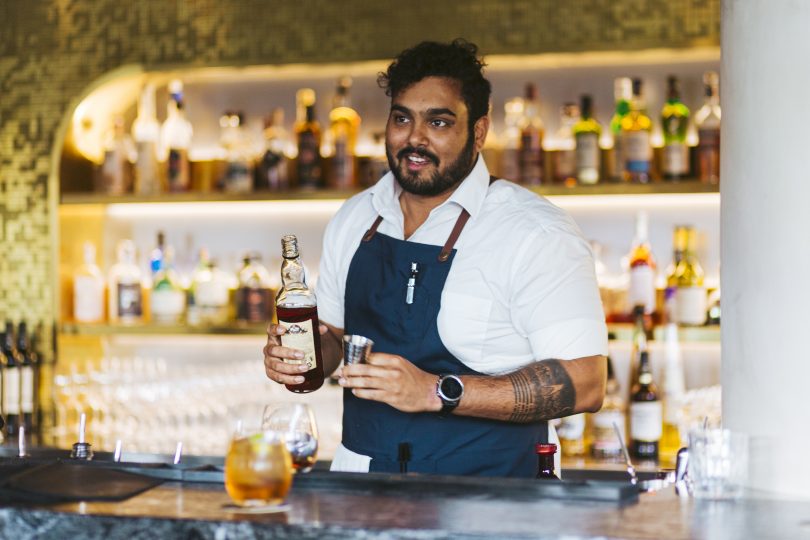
(438, 122)
(400, 119)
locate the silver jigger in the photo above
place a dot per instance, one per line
(356, 349)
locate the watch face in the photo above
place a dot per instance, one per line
(452, 388)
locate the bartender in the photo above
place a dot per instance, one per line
(480, 296)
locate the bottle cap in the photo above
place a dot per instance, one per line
(289, 246)
(545, 449)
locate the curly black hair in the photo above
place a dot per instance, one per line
(457, 60)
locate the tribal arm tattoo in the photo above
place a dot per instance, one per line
(543, 390)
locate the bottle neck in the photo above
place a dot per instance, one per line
(292, 273)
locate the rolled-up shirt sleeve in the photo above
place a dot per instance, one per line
(555, 300)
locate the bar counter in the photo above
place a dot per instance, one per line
(203, 510)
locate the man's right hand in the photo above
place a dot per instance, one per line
(282, 364)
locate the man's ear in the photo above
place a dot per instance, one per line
(480, 130)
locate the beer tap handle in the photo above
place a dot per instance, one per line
(178, 452)
(22, 451)
(82, 426)
(117, 452)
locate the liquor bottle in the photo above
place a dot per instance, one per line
(510, 139)
(642, 333)
(707, 121)
(687, 279)
(308, 137)
(115, 174)
(642, 267)
(545, 461)
(344, 125)
(158, 254)
(29, 381)
(210, 288)
(272, 170)
(532, 155)
(572, 435)
(238, 173)
(586, 142)
(565, 163)
(636, 129)
(168, 299)
(605, 444)
(146, 134)
(11, 382)
(254, 297)
(88, 289)
(297, 310)
(674, 388)
(646, 412)
(125, 288)
(674, 121)
(622, 94)
(175, 137)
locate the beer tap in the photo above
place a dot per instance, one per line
(82, 449)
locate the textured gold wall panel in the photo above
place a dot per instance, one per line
(51, 50)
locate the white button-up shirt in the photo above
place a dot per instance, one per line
(522, 285)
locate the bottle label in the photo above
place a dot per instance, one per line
(11, 391)
(342, 165)
(708, 139)
(587, 152)
(129, 300)
(211, 294)
(646, 421)
(690, 305)
(637, 151)
(88, 299)
(676, 159)
(273, 174)
(253, 304)
(309, 160)
(642, 287)
(604, 435)
(167, 303)
(27, 389)
(566, 164)
(299, 336)
(238, 177)
(531, 158)
(146, 169)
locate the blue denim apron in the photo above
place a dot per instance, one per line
(376, 308)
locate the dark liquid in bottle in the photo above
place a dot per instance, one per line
(313, 379)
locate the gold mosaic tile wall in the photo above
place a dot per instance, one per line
(51, 50)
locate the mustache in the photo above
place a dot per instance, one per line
(419, 152)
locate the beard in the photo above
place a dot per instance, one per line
(440, 181)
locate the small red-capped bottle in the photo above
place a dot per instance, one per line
(545, 461)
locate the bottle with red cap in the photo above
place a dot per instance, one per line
(545, 461)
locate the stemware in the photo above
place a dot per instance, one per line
(297, 422)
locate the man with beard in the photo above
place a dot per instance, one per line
(480, 296)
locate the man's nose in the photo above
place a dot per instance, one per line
(418, 135)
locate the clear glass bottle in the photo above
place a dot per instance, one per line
(646, 413)
(175, 136)
(344, 125)
(158, 254)
(674, 388)
(308, 138)
(636, 131)
(565, 164)
(604, 444)
(586, 142)
(707, 121)
(125, 287)
(687, 278)
(146, 134)
(167, 301)
(297, 309)
(532, 155)
(545, 461)
(211, 288)
(115, 174)
(11, 382)
(510, 139)
(238, 174)
(272, 171)
(675, 122)
(622, 94)
(254, 297)
(642, 267)
(88, 288)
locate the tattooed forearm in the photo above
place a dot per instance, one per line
(543, 391)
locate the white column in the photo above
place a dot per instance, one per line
(765, 237)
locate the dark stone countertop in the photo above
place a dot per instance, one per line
(197, 510)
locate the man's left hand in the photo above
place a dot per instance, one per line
(393, 380)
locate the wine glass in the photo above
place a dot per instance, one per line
(297, 422)
(258, 468)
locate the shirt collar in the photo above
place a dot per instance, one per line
(469, 194)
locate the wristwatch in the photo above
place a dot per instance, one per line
(449, 388)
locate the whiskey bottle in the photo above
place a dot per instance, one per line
(586, 136)
(254, 298)
(674, 121)
(272, 171)
(604, 444)
(532, 156)
(175, 136)
(88, 289)
(565, 164)
(308, 137)
(510, 139)
(11, 381)
(168, 299)
(344, 125)
(297, 310)
(687, 279)
(707, 121)
(642, 267)
(646, 413)
(238, 174)
(146, 134)
(29, 381)
(125, 287)
(115, 174)
(622, 94)
(636, 128)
